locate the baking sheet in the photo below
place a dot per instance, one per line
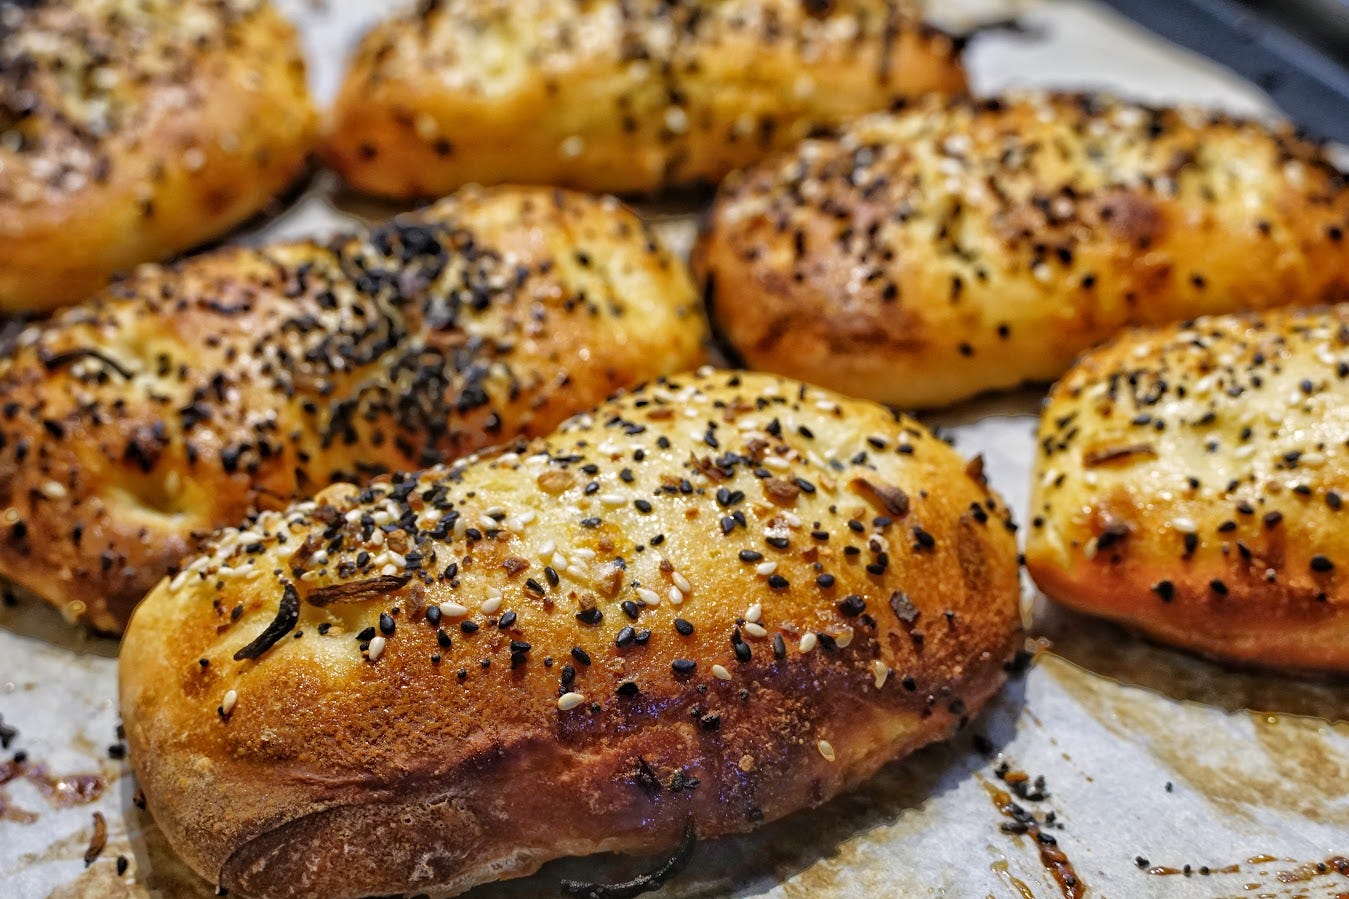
(1145, 752)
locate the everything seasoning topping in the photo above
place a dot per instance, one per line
(75, 76)
(615, 615)
(1246, 452)
(661, 54)
(419, 340)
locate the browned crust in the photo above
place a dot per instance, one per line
(206, 134)
(1220, 529)
(963, 246)
(189, 397)
(590, 96)
(338, 776)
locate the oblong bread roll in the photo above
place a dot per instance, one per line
(1190, 484)
(715, 600)
(617, 95)
(187, 397)
(958, 247)
(131, 131)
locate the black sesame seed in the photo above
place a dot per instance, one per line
(386, 623)
(625, 636)
(507, 621)
(366, 635)
(778, 582)
(432, 615)
(627, 689)
(1321, 563)
(684, 627)
(630, 609)
(468, 627)
(749, 555)
(1165, 589)
(591, 615)
(825, 581)
(852, 606)
(683, 666)
(580, 655)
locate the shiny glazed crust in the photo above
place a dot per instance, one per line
(187, 397)
(965, 246)
(617, 96)
(718, 599)
(1190, 484)
(134, 129)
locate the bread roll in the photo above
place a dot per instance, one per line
(617, 95)
(1190, 484)
(965, 246)
(716, 600)
(133, 129)
(187, 397)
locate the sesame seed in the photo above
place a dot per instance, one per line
(808, 641)
(453, 610)
(826, 749)
(568, 701)
(683, 666)
(228, 702)
(720, 672)
(844, 638)
(649, 597)
(490, 605)
(755, 630)
(376, 647)
(683, 627)
(754, 613)
(681, 582)
(766, 569)
(879, 671)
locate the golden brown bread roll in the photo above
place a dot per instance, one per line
(133, 425)
(617, 96)
(957, 247)
(1190, 483)
(716, 600)
(133, 129)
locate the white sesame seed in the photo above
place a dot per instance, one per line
(1184, 525)
(376, 647)
(754, 612)
(547, 548)
(228, 701)
(808, 641)
(453, 610)
(766, 568)
(720, 672)
(844, 638)
(53, 490)
(613, 499)
(391, 570)
(576, 572)
(681, 582)
(397, 559)
(572, 147)
(880, 671)
(676, 595)
(568, 701)
(587, 555)
(353, 516)
(755, 630)
(826, 750)
(777, 462)
(490, 605)
(178, 580)
(676, 119)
